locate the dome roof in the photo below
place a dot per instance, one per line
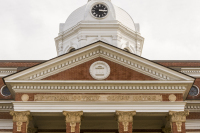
(83, 14)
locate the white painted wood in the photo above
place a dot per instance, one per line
(99, 106)
(6, 124)
(192, 124)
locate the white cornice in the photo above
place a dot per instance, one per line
(108, 52)
(101, 50)
(99, 106)
(7, 71)
(91, 25)
(194, 72)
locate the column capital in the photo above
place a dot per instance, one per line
(178, 118)
(19, 117)
(125, 117)
(73, 118)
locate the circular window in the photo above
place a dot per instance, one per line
(5, 91)
(194, 91)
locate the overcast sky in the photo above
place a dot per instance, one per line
(171, 28)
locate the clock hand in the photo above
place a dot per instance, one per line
(102, 10)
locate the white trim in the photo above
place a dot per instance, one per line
(7, 71)
(194, 72)
(99, 86)
(6, 124)
(37, 106)
(101, 50)
(2, 92)
(192, 124)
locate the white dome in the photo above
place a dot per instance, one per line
(82, 14)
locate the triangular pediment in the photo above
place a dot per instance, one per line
(131, 66)
(103, 50)
(82, 72)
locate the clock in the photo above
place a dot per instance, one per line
(99, 11)
(194, 91)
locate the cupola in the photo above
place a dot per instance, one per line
(99, 20)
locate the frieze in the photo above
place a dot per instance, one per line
(62, 97)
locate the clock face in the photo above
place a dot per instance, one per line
(99, 11)
(193, 91)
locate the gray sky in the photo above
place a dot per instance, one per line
(171, 28)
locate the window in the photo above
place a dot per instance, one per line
(71, 50)
(5, 91)
(194, 91)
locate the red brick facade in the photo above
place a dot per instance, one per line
(81, 72)
(5, 115)
(19, 63)
(121, 128)
(23, 128)
(174, 128)
(68, 128)
(193, 115)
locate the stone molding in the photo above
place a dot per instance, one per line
(73, 118)
(160, 88)
(193, 107)
(172, 98)
(99, 70)
(178, 118)
(19, 117)
(84, 97)
(195, 72)
(71, 62)
(125, 117)
(7, 71)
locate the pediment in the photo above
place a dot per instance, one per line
(129, 70)
(105, 51)
(117, 72)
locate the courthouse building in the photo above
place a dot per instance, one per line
(99, 83)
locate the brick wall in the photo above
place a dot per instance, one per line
(68, 128)
(81, 72)
(174, 128)
(5, 115)
(23, 128)
(194, 115)
(121, 128)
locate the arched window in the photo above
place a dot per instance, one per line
(194, 91)
(5, 91)
(71, 50)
